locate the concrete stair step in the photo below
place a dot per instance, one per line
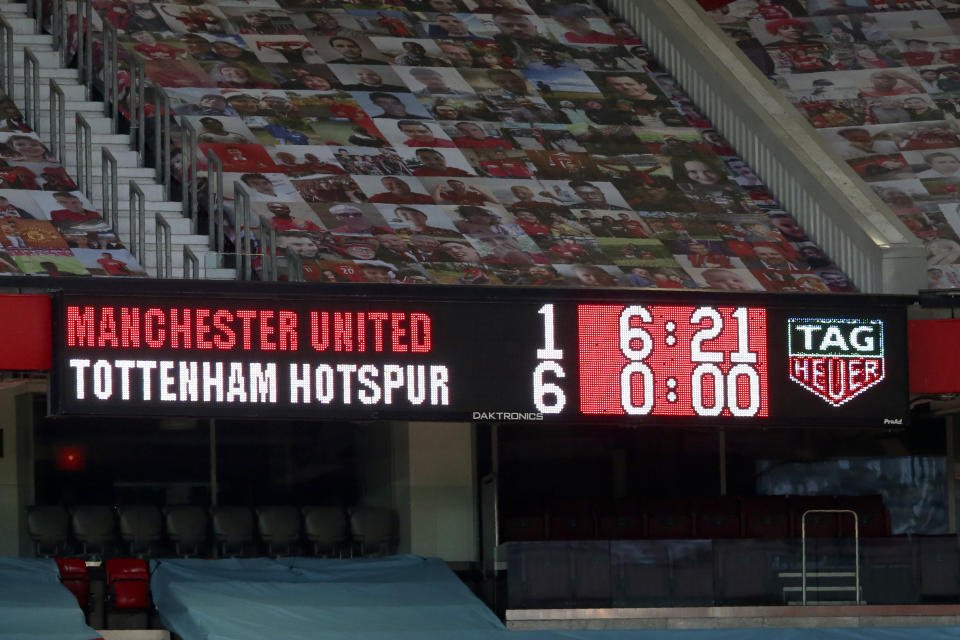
(178, 224)
(48, 59)
(30, 39)
(53, 71)
(121, 139)
(143, 175)
(22, 24)
(151, 206)
(151, 191)
(98, 124)
(70, 152)
(71, 91)
(13, 8)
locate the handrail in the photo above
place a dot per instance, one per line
(85, 44)
(138, 222)
(58, 121)
(32, 13)
(35, 11)
(838, 211)
(267, 234)
(294, 265)
(188, 172)
(190, 258)
(109, 186)
(6, 51)
(803, 548)
(84, 149)
(161, 120)
(164, 244)
(138, 98)
(111, 74)
(241, 230)
(31, 88)
(59, 31)
(215, 225)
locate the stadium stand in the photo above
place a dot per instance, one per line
(877, 81)
(535, 152)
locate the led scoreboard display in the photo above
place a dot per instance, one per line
(628, 358)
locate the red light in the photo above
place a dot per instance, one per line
(70, 458)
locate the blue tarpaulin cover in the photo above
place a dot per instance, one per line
(396, 598)
(34, 604)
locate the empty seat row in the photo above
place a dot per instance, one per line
(189, 530)
(720, 517)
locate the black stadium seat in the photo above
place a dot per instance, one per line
(373, 529)
(93, 528)
(186, 528)
(326, 528)
(140, 527)
(279, 528)
(49, 527)
(233, 530)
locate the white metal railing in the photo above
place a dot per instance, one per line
(137, 239)
(164, 247)
(6, 51)
(267, 235)
(85, 44)
(841, 214)
(31, 88)
(215, 221)
(242, 240)
(189, 151)
(856, 552)
(191, 263)
(294, 265)
(109, 191)
(138, 107)
(58, 121)
(84, 150)
(111, 75)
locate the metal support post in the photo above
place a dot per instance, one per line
(164, 247)
(84, 150)
(31, 88)
(138, 222)
(58, 121)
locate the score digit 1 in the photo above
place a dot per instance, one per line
(548, 397)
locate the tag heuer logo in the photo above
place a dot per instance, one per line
(836, 359)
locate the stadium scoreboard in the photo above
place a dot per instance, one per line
(630, 358)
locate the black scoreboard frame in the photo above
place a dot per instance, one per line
(859, 412)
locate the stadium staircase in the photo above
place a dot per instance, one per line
(27, 41)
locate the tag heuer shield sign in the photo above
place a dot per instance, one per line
(836, 359)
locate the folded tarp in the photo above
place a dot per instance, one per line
(34, 604)
(301, 598)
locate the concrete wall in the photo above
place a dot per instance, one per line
(425, 471)
(16, 467)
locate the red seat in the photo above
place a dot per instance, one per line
(128, 583)
(74, 576)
